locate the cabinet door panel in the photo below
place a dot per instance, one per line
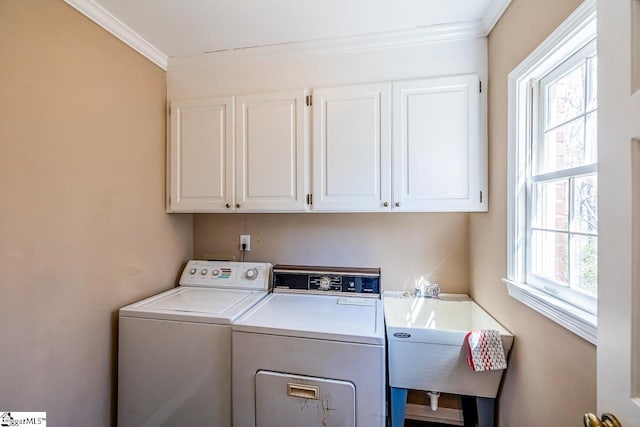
(352, 148)
(350, 130)
(201, 171)
(437, 145)
(441, 118)
(270, 152)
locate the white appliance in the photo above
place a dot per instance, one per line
(312, 354)
(174, 354)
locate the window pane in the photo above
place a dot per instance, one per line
(551, 205)
(585, 204)
(584, 251)
(550, 255)
(564, 147)
(592, 87)
(591, 141)
(565, 97)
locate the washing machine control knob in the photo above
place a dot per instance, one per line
(325, 283)
(251, 274)
(203, 272)
(193, 271)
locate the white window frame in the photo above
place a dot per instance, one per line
(571, 295)
(577, 31)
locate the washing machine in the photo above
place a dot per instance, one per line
(174, 352)
(312, 354)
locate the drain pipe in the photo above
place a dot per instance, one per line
(433, 399)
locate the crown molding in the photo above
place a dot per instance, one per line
(343, 45)
(106, 20)
(352, 44)
(493, 13)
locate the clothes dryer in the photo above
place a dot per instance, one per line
(312, 354)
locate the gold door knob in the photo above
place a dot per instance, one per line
(385, 204)
(227, 206)
(397, 204)
(237, 205)
(608, 420)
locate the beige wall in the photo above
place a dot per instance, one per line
(82, 224)
(406, 246)
(551, 378)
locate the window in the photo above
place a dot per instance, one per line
(553, 219)
(562, 220)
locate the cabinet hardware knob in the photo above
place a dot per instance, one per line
(227, 206)
(385, 204)
(237, 205)
(397, 204)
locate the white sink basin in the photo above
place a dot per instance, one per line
(426, 343)
(441, 321)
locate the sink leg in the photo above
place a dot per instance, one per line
(486, 408)
(398, 405)
(469, 411)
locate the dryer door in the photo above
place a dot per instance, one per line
(298, 401)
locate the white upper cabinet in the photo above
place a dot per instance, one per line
(261, 169)
(201, 155)
(397, 124)
(413, 145)
(352, 148)
(270, 152)
(439, 153)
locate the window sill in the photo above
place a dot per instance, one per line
(578, 321)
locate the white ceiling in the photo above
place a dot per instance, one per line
(174, 28)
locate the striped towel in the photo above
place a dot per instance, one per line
(485, 350)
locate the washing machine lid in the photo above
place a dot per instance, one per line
(202, 305)
(335, 318)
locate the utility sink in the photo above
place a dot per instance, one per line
(426, 344)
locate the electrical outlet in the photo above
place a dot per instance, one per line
(245, 239)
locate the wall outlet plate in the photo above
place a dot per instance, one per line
(245, 239)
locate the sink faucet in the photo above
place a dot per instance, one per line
(428, 290)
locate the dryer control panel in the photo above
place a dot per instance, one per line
(227, 274)
(327, 280)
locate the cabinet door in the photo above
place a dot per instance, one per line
(439, 154)
(201, 155)
(352, 148)
(270, 152)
